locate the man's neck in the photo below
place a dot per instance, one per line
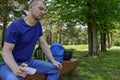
(29, 20)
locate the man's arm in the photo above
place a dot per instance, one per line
(10, 62)
(48, 53)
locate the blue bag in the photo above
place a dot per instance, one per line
(57, 52)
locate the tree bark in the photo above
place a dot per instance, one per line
(92, 31)
(4, 21)
(109, 40)
(103, 42)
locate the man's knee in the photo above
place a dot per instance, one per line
(54, 69)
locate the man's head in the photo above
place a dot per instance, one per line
(37, 9)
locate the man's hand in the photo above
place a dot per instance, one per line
(57, 64)
(20, 71)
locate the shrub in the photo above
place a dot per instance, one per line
(117, 42)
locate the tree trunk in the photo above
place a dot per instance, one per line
(4, 21)
(60, 36)
(92, 31)
(109, 40)
(90, 41)
(50, 34)
(103, 42)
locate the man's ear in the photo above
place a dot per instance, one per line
(30, 6)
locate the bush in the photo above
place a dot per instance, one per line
(117, 42)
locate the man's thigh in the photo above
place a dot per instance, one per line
(7, 74)
(43, 66)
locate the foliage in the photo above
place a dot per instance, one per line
(107, 15)
(117, 42)
(16, 8)
(105, 12)
(117, 35)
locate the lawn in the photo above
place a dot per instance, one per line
(105, 67)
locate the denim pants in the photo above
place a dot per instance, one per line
(41, 66)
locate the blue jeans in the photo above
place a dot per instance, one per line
(41, 66)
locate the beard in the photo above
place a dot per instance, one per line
(37, 18)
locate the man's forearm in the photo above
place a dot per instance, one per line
(9, 60)
(46, 50)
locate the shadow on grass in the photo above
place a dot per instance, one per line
(105, 67)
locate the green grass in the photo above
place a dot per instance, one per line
(105, 67)
(76, 48)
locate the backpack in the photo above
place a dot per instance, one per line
(67, 55)
(57, 52)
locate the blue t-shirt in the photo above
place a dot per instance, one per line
(24, 37)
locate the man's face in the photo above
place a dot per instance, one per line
(38, 10)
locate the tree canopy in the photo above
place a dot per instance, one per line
(73, 22)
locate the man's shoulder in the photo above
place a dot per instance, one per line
(39, 24)
(15, 24)
(18, 20)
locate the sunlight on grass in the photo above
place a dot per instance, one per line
(76, 47)
(105, 67)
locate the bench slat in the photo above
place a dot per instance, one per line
(36, 77)
(69, 65)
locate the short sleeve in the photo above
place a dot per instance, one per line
(12, 34)
(40, 30)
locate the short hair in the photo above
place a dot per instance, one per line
(32, 1)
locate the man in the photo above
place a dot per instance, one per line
(20, 39)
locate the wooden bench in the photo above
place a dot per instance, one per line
(67, 67)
